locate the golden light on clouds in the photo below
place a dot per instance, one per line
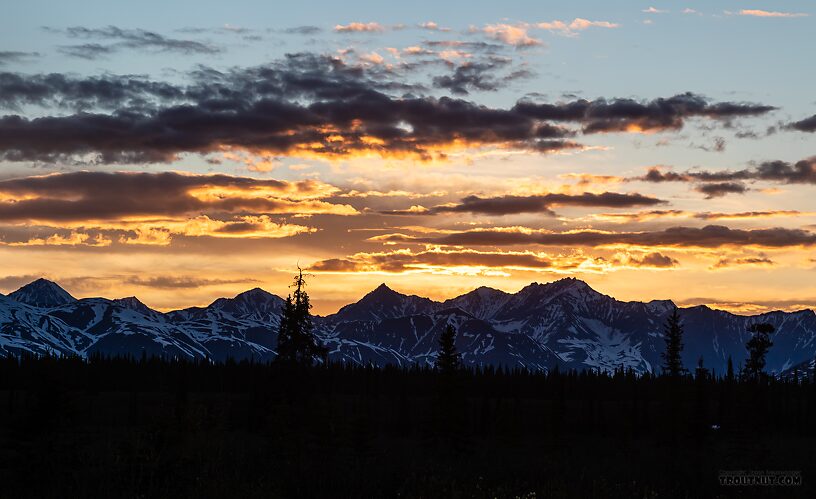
(440, 158)
(72, 239)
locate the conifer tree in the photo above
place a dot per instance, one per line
(448, 360)
(673, 335)
(701, 373)
(729, 373)
(296, 340)
(758, 347)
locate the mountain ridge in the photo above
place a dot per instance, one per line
(565, 322)
(384, 286)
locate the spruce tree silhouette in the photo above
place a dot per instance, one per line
(296, 341)
(701, 373)
(448, 360)
(758, 347)
(673, 335)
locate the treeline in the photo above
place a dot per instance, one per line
(125, 427)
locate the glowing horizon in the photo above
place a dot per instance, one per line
(492, 146)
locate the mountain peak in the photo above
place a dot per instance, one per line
(560, 286)
(383, 303)
(254, 293)
(483, 302)
(256, 303)
(42, 293)
(133, 303)
(382, 288)
(382, 292)
(572, 282)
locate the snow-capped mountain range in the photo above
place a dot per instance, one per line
(564, 323)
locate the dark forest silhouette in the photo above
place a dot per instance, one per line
(162, 428)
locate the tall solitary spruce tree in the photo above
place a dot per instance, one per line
(701, 373)
(296, 341)
(673, 335)
(448, 360)
(758, 347)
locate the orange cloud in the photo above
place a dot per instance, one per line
(474, 262)
(73, 239)
(392, 193)
(357, 27)
(640, 216)
(373, 58)
(572, 28)
(432, 26)
(510, 34)
(750, 306)
(766, 13)
(245, 227)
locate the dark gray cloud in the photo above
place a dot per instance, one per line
(180, 282)
(718, 145)
(263, 109)
(11, 56)
(478, 76)
(121, 38)
(657, 260)
(511, 205)
(805, 125)
(464, 45)
(710, 236)
(87, 51)
(298, 76)
(800, 172)
(618, 115)
(220, 30)
(720, 189)
(275, 127)
(108, 91)
(302, 30)
(301, 104)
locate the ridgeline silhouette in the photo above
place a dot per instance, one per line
(564, 323)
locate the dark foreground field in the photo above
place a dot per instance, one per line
(117, 428)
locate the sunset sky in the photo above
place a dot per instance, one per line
(182, 151)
